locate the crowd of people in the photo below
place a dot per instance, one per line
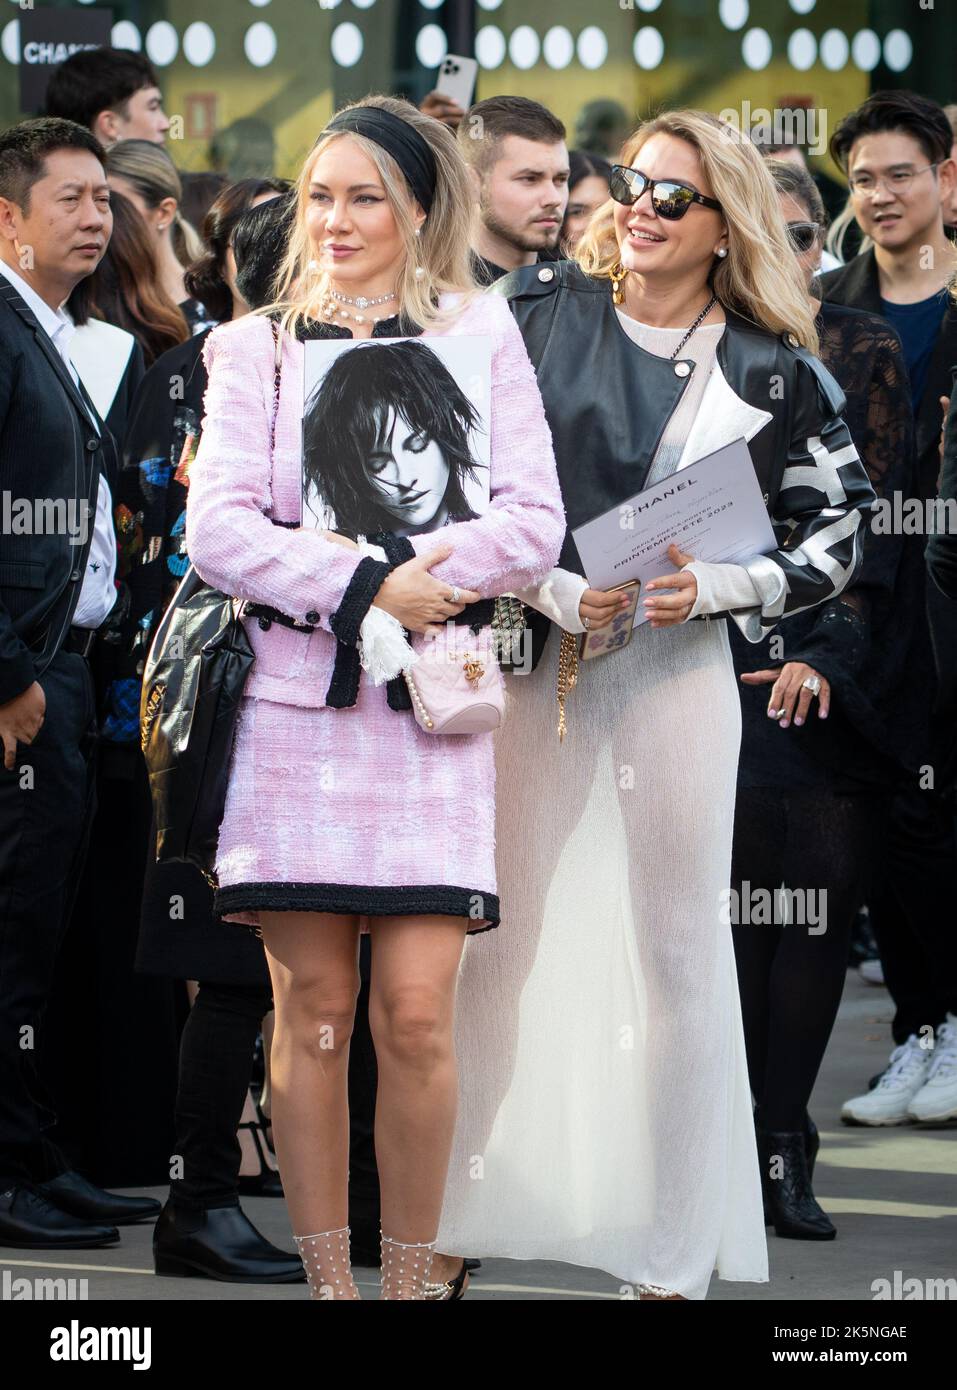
(422, 1089)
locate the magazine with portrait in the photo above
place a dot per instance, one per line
(395, 434)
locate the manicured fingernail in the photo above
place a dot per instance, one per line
(823, 713)
(784, 724)
(772, 714)
(799, 720)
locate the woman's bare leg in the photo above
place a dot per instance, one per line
(313, 962)
(415, 963)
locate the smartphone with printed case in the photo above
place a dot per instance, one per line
(615, 634)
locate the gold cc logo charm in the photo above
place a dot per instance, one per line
(474, 670)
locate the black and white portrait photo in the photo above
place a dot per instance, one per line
(395, 434)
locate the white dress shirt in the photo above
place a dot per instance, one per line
(97, 589)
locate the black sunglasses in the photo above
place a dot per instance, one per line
(670, 200)
(803, 235)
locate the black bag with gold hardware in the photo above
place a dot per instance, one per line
(192, 685)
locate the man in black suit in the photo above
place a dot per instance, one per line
(57, 564)
(896, 151)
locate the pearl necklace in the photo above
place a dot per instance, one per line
(335, 301)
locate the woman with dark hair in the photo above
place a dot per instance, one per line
(208, 279)
(812, 802)
(126, 289)
(397, 425)
(202, 1228)
(587, 189)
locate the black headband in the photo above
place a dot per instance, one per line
(408, 148)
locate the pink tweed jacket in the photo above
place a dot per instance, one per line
(235, 487)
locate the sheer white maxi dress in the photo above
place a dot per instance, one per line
(605, 1114)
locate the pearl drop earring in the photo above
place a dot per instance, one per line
(419, 269)
(722, 251)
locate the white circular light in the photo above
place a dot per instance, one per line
(756, 49)
(346, 44)
(199, 44)
(162, 43)
(489, 4)
(260, 2)
(431, 45)
(648, 5)
(523, 46)
(426, 4)
(734, 13)
(802, 49)
(802, 6)
(259, 44)
(126, 35)
(10, 41)
(898, 50)
(866, 50)
(558, 47)
(329, 4)
(367, 4)
(835, 50)
(490, 46)
(648, 47)
(86, 2)
(592, 47)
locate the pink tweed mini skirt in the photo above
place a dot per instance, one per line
(356, 811)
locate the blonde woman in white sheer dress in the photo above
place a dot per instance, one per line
(605, 1117)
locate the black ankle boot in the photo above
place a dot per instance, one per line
(794, 1212)
(812, 1142)
(220, 1243)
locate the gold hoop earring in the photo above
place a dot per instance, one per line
(618, 273)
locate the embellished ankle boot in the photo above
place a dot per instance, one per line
(794, 1210)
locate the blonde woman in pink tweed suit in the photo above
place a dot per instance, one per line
(340, 808)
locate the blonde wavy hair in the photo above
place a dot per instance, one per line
(153, 174)
(759, 279)
(442, 248)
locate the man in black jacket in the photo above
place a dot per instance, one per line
(57, 564)
(896, 150)
(518, 168)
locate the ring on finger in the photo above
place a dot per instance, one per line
(813, 683)
(453, 597)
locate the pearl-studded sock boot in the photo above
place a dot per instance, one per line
(405, 1269)
(326, 1259)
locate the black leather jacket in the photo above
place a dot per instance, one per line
(608, 401)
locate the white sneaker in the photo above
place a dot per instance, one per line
(871, 971)
(937, 1098)
(888, 1103)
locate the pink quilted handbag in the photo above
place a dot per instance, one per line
(457, 686)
